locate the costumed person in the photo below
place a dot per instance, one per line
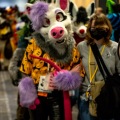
(114, 18)
(44, 90)
(24, 34)
(80, 24)
(5, 36)
(13, 14)
(98, 31)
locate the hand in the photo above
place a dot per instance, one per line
(16, 78)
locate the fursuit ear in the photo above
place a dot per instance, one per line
(90, 8)
(73, 9)
(36, 13)
(63, 4)
(28, 8)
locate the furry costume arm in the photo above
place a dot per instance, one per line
(14, 65)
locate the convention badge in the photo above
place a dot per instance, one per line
(44, 84)
(72, 92)
(49, 77)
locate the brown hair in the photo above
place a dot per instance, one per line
(98, 10)
(100, 20)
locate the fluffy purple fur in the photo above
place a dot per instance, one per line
(67, 80)
(37, 14)
(27, 92)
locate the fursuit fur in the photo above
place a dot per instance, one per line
(39, 8)
(66, 80)
(54, 52)
(14, 64)
(28, 93)
(79, 24)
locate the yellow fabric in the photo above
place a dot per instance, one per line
(4, 31)
(96, 86)
(36, 68)
(92, 68)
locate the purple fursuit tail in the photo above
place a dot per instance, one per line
(27, 92)
(66, 80)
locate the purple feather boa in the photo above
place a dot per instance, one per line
(37, 14)
(66, 80)
(27, 92)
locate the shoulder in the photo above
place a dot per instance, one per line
(113, 46)
(82, 44)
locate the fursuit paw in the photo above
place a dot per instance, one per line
(36, 102)
(28, 93)
(67, 80)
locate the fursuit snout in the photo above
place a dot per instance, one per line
(57, 32)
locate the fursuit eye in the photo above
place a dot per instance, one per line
(59, 17)
(46, 22)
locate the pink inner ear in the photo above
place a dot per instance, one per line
(63, 4)
(28, 9)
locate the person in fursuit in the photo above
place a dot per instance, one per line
(49, 63)
(98, 31)
(23, 34)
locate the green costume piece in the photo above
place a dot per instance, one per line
(109, 4)
(31, 1)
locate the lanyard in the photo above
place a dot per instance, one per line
(91, 73)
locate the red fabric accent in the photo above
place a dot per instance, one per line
(63, 4)
(77, 38)
(67, 106)
(48, 61)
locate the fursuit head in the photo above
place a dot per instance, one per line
(79, 24)
(53, 28)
